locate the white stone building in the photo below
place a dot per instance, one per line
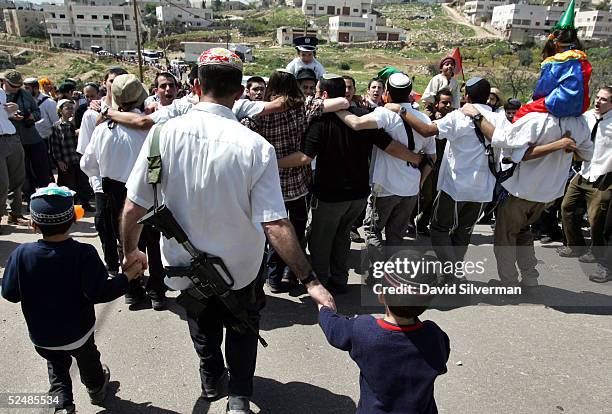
(110, 27)
(478, 11)
(596, 24)
(354, 8)
(21, 22)
(190, 17)
(521, 22)
(350, 29)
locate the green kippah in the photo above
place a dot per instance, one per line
(387, 71)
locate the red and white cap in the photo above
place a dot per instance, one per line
(220, 56)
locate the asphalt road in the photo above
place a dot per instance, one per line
(521, 358)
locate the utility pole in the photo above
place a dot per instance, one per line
(138, 40)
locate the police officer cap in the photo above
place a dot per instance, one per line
(306, 43)
(399, 81)
(306, 74)
(329, 76)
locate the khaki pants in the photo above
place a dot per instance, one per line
(513, 238)
(581, 194)
(12, 173)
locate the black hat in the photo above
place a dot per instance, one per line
(306, 74)
(306, 43)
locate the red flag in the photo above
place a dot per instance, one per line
(458, 65)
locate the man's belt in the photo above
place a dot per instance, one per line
(7, 135)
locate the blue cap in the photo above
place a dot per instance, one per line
(52, 205)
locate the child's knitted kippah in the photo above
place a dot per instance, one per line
(52, 205)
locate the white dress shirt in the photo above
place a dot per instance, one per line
(296, 65)
(48, 116)
(392, 176)
(542, 179)
(113, 152)
(601, 163)
(6, 126)
(464, 172)
(221, 181)
(243, 108)
(439, 82)
(88, 125)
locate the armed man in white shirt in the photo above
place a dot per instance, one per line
(584, 189)
(102, 220)
(543, 146)
(221, 183)
(395, 183)
(465, 180)
(111, 154)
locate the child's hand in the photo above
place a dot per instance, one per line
(134, 271)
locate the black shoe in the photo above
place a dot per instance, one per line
(214, 389)
(134, 298)
(88, 207)
(411, 231)
(567, 251)
(280, 287)
(588, 257)
(97, 396)
(503, 283)
(423, 231)
(158, 300)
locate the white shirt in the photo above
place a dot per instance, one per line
(243, 108)
(296, 65)
(601, 163)
(440, 82)
(464, 172)
(113, 152)
(542, 179)
(391, 176)
(48, 116)
(221, 181)
(6, 126)
(88, 125)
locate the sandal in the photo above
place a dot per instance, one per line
(601, 275)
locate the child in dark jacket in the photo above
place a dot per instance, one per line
(58, 280)
(399, 356)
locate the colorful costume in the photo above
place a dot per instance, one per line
(563, 87)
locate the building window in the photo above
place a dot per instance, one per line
(94, 16)
(321, 8)
(62, 16)
(355, 10)
(126, 16)
(537, 23)
(80, 16)
(308, 7)
(53, 15)
(105, 17)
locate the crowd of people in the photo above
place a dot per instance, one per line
(274, 169)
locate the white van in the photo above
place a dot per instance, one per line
(128, 54)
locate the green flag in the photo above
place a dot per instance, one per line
(567, 19)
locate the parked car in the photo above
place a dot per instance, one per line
(104, 53)
(69, 46)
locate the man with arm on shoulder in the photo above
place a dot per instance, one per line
(231, 225)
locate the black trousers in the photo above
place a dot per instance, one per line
(206, 332)
(58, 366)
(148, 242)
(37, 166)
(298, 216)
(104, 227)
(76, 180)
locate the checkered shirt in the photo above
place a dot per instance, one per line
(64, 143)
(285, 131)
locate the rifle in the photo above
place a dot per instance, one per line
(208, 273)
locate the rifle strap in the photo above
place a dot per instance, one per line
(501, 175)
(154, 167)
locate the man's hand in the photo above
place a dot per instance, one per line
(150, 108)
(96, 105)
(16, 117)
(134, 271)
(62, 166)
(416, 158)
(135, 256)
(11, 107)
(567, 144)
(469, 110)
(320, 295)
(393, 107)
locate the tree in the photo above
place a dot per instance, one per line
(525, 57)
